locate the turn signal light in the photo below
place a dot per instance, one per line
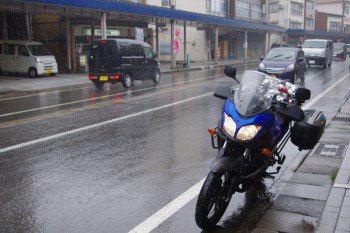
(212, 131)
(266, 152)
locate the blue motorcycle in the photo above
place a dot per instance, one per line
(257, 120)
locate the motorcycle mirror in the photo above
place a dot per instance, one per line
(230, 71)
(223, 92)
(302, 94)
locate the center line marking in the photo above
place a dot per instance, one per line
(10, 148)
(167, 211)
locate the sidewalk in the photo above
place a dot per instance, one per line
(22, 84)
(309, 201)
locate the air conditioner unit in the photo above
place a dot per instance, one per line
(280, 6)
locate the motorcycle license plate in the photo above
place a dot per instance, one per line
(312, 62)
(103, 78)
(273, 76)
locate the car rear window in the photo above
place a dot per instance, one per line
(103, 48)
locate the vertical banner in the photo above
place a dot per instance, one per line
(139, 36)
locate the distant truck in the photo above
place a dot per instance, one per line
(318, 52)
(29, 57)
(122, 60)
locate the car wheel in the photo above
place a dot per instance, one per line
(156, 78)
(127, 81)
(98, 85)
(32, 73)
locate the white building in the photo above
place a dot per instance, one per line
(335, 7)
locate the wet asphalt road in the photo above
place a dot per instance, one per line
(113, 176)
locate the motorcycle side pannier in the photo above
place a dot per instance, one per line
(307, 133)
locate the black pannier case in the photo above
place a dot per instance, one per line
(307, 133)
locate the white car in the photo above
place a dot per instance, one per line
(318, 52)
(29, 57)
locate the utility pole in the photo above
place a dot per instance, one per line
(305, 14)
(342, 17)
(173, 55)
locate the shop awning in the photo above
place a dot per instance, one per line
(324, 34)
(158, 12)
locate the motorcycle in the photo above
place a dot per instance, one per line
(258, 118)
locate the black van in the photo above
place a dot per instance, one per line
(121, 60)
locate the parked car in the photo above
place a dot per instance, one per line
(284, 63)
(339, 51)
(29, 57)
(318, 52)
(121, 60)
(348, 49)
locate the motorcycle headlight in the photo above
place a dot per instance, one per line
(262, 67)
(248, 132)
(229, 125)
(290, 67)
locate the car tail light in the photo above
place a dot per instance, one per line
(103, 41)
(116, 77)
(91, 77)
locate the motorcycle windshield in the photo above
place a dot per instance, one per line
(255, 93)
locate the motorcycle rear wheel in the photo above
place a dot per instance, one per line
(212, 200)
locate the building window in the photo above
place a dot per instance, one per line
(294, 25)
(310, 5)
(242, 9)
(346, 29)
(296, 9)
(309, 23)
(334, 26)
(273, 7)
(256, 12)
(165, 3)
(346, 10)
(223, 6)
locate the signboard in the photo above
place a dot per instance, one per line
(98, 32)
(139, 36)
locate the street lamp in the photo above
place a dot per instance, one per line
(173, 55)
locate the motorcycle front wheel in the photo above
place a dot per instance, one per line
(212, 200)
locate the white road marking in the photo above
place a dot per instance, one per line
(164, 213)
(317, 98)
(18, 146)
(101, 97)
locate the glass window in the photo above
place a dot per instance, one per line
(208, 5)
(273, 7)
(9, 49)
(165, 3)
(334, 26)
(148, 52)
(346, 10)
(242, 9)
(255, 12)
(39, 50)
(22, 50)
(346, 28)
(223, 6)
(280, 55)
(296, 9)
(314, 44)
(294, 25)
(136, 50)
(309, 22)
(309, 5)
